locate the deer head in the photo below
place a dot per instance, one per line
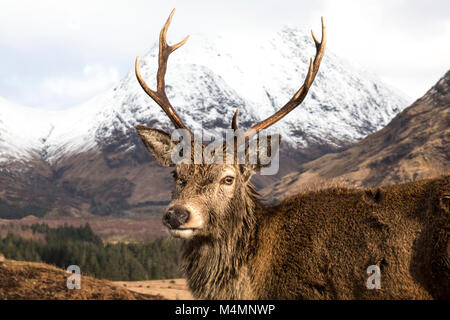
(209, 198)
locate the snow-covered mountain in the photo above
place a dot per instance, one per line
(21, 131)
(89, 159)
(207, 80)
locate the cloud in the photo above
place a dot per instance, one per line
(94, 79)
(403, 41)
(45, 45)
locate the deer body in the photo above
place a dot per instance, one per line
(315, 245)
(319, 245)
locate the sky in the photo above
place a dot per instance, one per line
(55, 54)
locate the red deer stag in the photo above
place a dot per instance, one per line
(316, 245)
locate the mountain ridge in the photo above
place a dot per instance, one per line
(258, 86)
(93, 162)
(413, 146)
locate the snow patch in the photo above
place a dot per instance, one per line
(207, 79)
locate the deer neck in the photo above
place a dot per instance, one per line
(217, 267)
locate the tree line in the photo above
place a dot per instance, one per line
(68, 245)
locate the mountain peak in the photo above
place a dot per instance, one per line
(208, 78)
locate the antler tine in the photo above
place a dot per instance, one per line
(234, 125)
(159, 96)
(298, 98)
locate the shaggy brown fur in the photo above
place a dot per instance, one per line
(315, 245)
(321, 243)
(318, 245)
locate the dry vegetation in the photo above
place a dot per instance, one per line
(174, 289)
(38, 281)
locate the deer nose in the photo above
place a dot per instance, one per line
(176, 217)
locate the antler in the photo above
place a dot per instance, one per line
(159, 96)
(298, 98)
(234, 125)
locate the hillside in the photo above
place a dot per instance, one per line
(89, 160)
(38, 281)
(173, 289)
(413, 146)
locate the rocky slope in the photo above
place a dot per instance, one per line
(414, 146)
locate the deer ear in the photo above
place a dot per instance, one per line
(267, 157)
(158, 143)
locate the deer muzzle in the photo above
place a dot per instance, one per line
(175, 217)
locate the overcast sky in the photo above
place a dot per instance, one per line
(55, 54)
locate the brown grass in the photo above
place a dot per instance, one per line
(39, 281)
(174, 289)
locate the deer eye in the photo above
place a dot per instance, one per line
(228, 180)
